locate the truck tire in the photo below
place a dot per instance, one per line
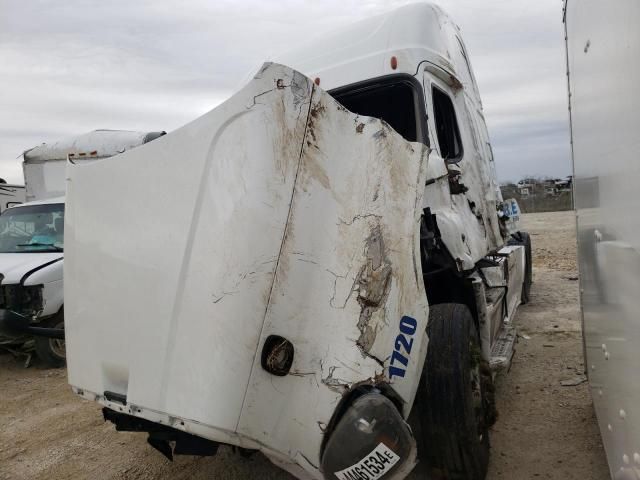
(454, 405)
(524, 239)
(52, 350)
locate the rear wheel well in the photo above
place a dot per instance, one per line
(443, 282)
(444, 285)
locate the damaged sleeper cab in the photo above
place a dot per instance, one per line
(333, 283)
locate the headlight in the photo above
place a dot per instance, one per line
(370, 441)
(23, 299)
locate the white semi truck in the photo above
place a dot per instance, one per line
(32, 242)
(309, 268)
(603, 52)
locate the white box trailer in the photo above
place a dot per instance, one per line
(31, 241)
(44, 166)
(335, 260)
(11, 195)
(603, 48)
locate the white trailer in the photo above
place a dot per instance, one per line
(603, 48)
(335, 262)
(44, 166)
(32, 241)
(11, 195)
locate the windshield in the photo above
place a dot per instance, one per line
(33, 228)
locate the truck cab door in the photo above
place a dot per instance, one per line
(467, 219)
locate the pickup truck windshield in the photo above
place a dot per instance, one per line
(32, 228)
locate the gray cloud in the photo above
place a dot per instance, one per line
(73, 66)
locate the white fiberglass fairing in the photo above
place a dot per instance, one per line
(277, 213)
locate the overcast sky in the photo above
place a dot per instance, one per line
(68, 67)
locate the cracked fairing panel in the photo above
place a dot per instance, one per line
(348, 272)
(291, 216)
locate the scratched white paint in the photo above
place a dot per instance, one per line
(170, 296)
(356, 178)
(169, 285)
(429, 46)
(278, 212)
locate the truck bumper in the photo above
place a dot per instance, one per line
(15, 324)
(160, 436)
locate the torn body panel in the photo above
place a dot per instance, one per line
(348, 272)
(304, 223)
(465, 199)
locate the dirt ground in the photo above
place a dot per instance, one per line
(545, 430)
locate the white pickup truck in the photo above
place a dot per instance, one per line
(334, 262)
(31, 291)
(32, 242)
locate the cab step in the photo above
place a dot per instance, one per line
(503, 349)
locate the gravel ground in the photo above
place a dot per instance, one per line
(545, 431)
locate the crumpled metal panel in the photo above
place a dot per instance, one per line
(348, 272)
(468, 221)
(95, 144)
(278, 212)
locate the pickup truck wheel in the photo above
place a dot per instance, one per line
(454, 404)
(524, 239)
(52, 350)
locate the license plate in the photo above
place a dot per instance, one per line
(373, 466)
